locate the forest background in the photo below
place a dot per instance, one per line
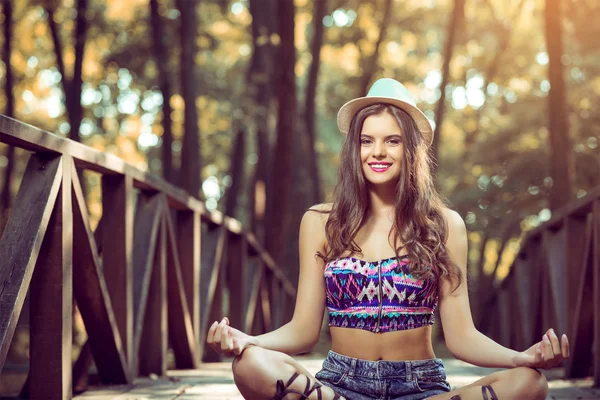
(235, 101)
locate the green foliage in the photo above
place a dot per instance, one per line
(493, 157)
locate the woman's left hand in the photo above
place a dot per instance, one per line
(546, 354)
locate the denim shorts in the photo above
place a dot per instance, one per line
(357, 379)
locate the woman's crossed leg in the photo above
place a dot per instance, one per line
(515, 383)
(262, 374)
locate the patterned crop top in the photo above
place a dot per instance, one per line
(377, 296)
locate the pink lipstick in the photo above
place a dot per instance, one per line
(380, 166)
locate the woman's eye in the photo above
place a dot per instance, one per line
(394, 141)
(365, 141)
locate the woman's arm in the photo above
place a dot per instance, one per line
(463, 340)
(302, 332)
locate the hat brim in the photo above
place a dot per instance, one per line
(349, 110)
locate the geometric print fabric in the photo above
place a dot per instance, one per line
(380, 296)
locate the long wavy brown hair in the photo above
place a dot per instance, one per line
(419, 226)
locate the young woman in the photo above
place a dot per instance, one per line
(381, 257)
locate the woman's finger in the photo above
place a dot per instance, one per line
(566, 350)
(210, 338)
(539, 355)
(556, 350)
(219, 332)
(547, 348)
(229, 339)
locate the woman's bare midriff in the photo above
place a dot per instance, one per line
(412, 344)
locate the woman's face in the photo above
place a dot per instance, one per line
(381, 149)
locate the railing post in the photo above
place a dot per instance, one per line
(117, 257)
(93, 300)
(189, 230)
(536, 276)
(153, 341)
(149, 258)
(236, 263)
(582, 334)
(214, 245)
(555, 248)
(181, 329)
(596, 274)
(51, 301)
(22, 238)
(276, 295)
(575, 227)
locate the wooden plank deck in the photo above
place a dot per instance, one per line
(214, 381)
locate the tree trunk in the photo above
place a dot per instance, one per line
(371, 63)
(191, 155)
(278, 195)
(505, 29)
(74, 97)
(161, 58)
(260, 90)
(453, 26)
(237, 173)
(5, 197)
(71, 87)
(561, 160)
(311, 94)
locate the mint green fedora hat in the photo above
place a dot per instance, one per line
(387, 91)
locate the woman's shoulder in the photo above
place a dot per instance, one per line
(312, 227)
(454, 222)
(317, 215)
(321, 208)
(452, 217)
(319, 212)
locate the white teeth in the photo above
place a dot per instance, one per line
(380, 165)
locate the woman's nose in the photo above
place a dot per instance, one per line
(378, 149)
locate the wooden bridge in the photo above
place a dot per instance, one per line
(159, 267)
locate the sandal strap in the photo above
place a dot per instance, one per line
(282, 389)
(491, 390)
(316, 386)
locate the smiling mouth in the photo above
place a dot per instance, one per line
(380, 167)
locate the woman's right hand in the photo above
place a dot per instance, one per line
(227, 340)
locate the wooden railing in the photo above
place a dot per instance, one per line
(554, 282)
(158, 268)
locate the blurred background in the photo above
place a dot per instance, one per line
(235, 101)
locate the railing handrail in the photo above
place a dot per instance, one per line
(28, 137)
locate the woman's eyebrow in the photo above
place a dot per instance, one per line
(395, 136)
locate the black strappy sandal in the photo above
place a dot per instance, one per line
(492, 393)
(282, 389)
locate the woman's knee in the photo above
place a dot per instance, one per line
(257, 370)
(530, 383)
(250, 362)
